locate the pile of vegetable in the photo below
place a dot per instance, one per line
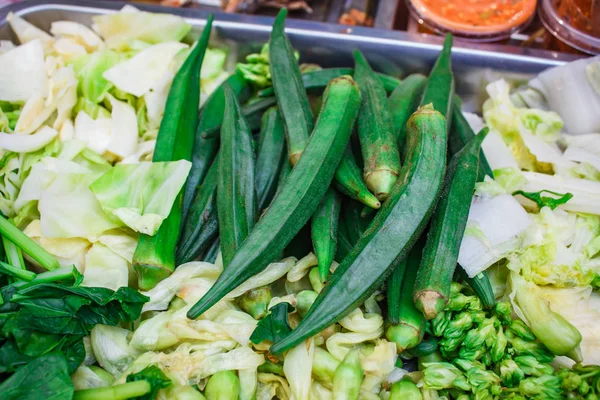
(177, 227)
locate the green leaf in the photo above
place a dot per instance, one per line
(274, 326)
(46, 377)
(155, 377)
(545, 201)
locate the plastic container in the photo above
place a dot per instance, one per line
(574, 22)
(476, 20)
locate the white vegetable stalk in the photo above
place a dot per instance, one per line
(297, 368)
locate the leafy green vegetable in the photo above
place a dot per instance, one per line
(274, 326)
(46, 377)
(153, 375)
(545, 201)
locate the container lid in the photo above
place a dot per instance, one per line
(566, 20)
(476, 20)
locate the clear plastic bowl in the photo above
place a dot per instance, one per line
(435, 20)
(561, 26)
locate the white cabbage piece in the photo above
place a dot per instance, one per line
(154, 333)
(586, 193)
(248, 383)
(356, 321)
(146, 70)
(143, 153)
(112, 349)
(238, 325)
(302, 267)
(87, 378)
(269, 275)
(162, 294)
(23, 72)
(236, 359)
(105, 268)
(80, 33)
(68, 208)
(124, 129)
(27, 143)
(141, 195)
(569, 92)
(68, 251)
(272, 386)
(61, 98)
(339, 343)
(297, 367)
(121, 28)
(121, 241)
(95, 132)
(494, 229)
(381, 360)
(320, 392)
(27, 32)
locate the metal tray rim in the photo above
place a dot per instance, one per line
(314, 29)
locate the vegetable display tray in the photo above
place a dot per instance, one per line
(329, 45)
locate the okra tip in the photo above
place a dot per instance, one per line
(404, 336)
(380, 182)
(150, 275)
(430, 303)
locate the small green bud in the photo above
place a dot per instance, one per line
(461, 323)
(584, 388)
(480, 379)
(256, 301)
(535, 349)
(543, 387)
(478, 317)
(498, 349)
(486, 358)
(443, 375)
(472, 355)
(440, 322)
(456, 288)
(458, 302)
(522, 330)
(531, 366)
(452, 344)
(503, 311)
(511, 373)
(475, 304)
(405, 389)
(571, 381)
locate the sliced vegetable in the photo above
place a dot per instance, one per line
(299, 196)
(154, 257)
(324, 224)
(289, 90)
(376, 131)
(223, 385)
(236, 196)
(432, 286)
(395, 228)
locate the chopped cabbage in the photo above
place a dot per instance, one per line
(23, 72)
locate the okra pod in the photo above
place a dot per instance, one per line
(154, 256)
(481, 285)
(201, 227)
(256, 301)
(460, 134)
(376, 132)
(348, 180)
(270, 157)
(394, 290)
(206, 143)
(317, 80)
(393, 232)
(324, 231)
(292, 100)
(299, 196)
(236, 194)
(432, 287)
(440, 84)
(409, 330)
(213, 251)
(404, 100)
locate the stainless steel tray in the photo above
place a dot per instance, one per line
(329, 45)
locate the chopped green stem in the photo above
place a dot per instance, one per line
(14, 256)
(61, 274)
(26, 244)
(124, 391)
(23, 274)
